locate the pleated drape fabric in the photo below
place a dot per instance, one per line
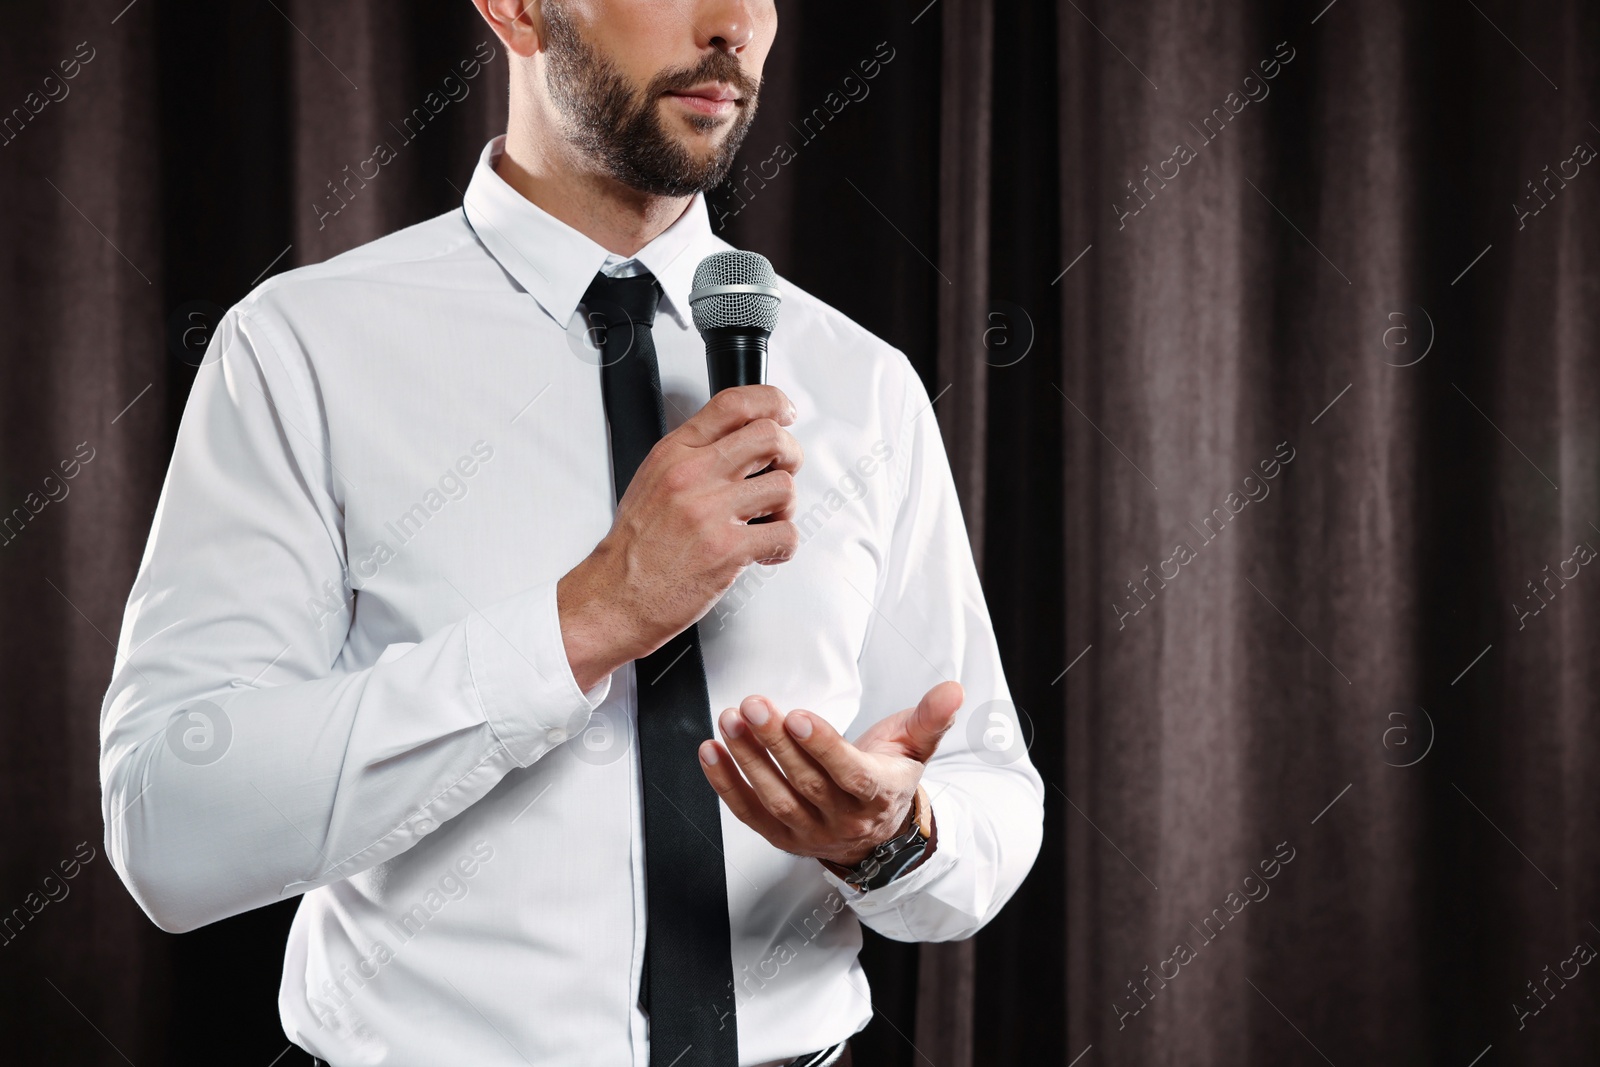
(1346, 266)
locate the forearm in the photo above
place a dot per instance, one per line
(597, 631)
(318, 779)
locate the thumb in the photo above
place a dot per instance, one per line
(933, 715)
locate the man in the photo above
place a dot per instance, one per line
(396, 645)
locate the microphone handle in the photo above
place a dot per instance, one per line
(737, 355)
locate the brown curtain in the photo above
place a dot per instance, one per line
(1381, 657)
(1282, 691)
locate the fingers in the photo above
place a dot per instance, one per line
(794, 780)
(849, 767)
(735, 792)
(759, 444)
(804, 775)
(769, 494)
(770, 787)
(733, 408)
(933, 715)
(792, 786)
(770, 542)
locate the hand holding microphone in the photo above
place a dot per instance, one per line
(712, 497)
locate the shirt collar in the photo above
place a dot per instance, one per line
(555, 263)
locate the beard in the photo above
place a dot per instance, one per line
(622, 129)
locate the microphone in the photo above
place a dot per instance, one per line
(735, 305)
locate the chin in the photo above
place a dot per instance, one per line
(701, 144)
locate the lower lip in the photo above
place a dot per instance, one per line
(703, 105)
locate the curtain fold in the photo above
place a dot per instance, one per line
(82, 410)
(946, 975)
(1328, 660)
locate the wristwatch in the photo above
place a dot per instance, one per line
(897, 855)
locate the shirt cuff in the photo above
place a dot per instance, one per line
(519, 668)
(952, 830)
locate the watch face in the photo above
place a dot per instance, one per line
(886, 862)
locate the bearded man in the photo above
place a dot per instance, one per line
(589, 715)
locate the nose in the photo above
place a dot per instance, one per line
(728, 25)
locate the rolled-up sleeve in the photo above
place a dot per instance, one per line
(931, 624)
(241, 761)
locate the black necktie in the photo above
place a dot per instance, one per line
(688, 964)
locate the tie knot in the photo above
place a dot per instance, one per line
(619, 300)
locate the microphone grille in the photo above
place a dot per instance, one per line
(735, 289)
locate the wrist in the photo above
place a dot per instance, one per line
(597, 638)
(849, 860)
(896, 855)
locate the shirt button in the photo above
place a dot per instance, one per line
(556, 736)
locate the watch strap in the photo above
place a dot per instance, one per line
(899, 854)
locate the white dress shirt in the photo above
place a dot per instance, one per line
(341, 674)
